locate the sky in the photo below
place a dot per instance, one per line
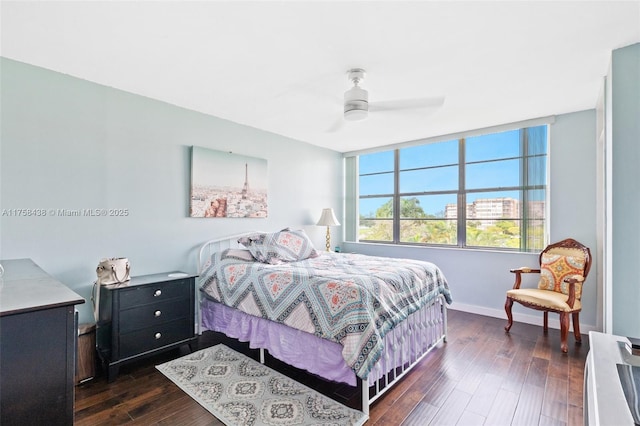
(505, 172)
(219, 168)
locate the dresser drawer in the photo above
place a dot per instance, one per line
(154, 314)
(154, 337)
(154, 293)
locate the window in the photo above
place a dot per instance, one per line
(482, 191)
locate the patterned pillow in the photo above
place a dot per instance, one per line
(554, 268)
(238, 254)
(247, 239)
(280, 247)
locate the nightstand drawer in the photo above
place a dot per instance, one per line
(142, 295)
(151, 338)
(153, 314)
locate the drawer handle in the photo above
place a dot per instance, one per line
(157, 313)
(158, 335)
(157, 293)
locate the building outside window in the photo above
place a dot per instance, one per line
(484, 191)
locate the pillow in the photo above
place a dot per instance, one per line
(554, 268)
(282, 246)
(239, 254)
(246, 240)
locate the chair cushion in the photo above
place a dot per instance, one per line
(544, 298)
(555, 267)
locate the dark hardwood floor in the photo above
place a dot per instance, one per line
(481, 376)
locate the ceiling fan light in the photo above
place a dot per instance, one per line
(356, 114)
(356, 104)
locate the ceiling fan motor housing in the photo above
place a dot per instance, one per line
(356, 104)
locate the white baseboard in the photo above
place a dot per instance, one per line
(554, 321)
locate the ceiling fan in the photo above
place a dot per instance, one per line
(357, 105)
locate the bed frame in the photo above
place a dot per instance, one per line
(406, 345)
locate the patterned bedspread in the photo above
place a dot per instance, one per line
(347, 298)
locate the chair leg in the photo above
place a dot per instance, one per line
(545, 324)
(576, 327)
(564, 331)
(507, 307)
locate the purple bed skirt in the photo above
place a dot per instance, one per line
(297, 348)
(320, 356)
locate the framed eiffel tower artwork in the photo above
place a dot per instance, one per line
(224, 184)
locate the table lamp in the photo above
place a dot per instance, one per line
(328, 219)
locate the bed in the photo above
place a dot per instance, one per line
(349, 318)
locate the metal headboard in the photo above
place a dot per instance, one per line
(218, 244)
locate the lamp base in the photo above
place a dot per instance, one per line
(328, 239)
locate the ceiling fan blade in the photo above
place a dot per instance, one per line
(412, 103)
(336, 126)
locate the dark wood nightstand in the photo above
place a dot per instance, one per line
(146, 315)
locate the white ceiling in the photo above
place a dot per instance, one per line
(281, 66)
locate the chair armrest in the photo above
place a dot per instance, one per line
(572, 280)
(524, 270)
(519, 272)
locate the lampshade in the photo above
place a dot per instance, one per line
(328, 218)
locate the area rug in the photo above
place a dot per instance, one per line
(240, 391)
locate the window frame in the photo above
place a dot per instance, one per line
(524, 188)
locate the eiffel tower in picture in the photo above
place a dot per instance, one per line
(245, 188)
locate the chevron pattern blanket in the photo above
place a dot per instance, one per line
(347, 298)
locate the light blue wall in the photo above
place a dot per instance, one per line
(479, 279)
(71, 144)
(68, 143)
(625, 79)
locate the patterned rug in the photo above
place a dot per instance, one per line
(240, 391)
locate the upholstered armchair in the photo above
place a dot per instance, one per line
(563, 268)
